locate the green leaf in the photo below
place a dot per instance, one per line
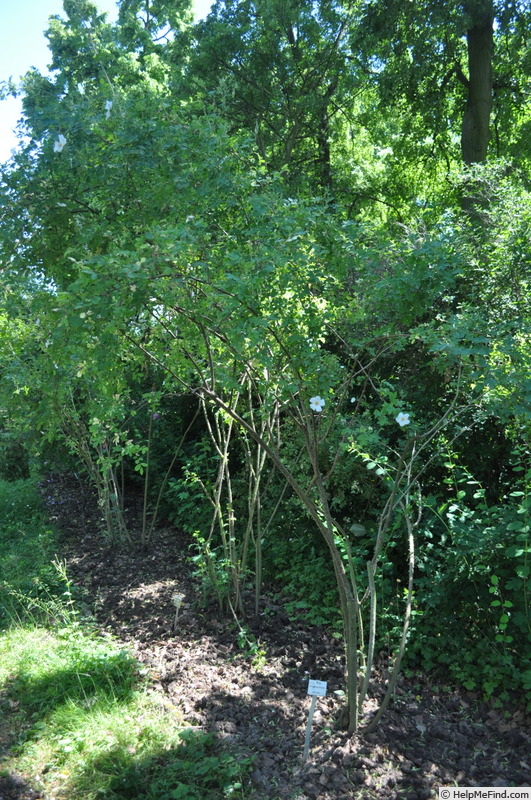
(183, 792)
(517, 526)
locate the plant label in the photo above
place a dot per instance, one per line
(317, 688)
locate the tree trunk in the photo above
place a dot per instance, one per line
(476, 120)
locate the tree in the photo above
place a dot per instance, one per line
(151, 247)
(281, 72)
(416, 51)
(476, 118)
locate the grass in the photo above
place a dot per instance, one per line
(78, 718)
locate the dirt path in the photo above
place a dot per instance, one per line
(255, 698)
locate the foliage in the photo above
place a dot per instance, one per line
(302, 80)
(13, 457)
(430, 58)
(184, 313)
(198, 769)
(482, 579)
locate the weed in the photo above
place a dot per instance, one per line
(248, 643)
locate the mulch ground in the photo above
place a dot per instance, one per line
(256, 702)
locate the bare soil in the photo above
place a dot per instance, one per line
(255, 697)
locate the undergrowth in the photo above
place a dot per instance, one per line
(77, 715)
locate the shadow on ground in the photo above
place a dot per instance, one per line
(256, 703)
(13, 787)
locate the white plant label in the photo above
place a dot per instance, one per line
(317, 688)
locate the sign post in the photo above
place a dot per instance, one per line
(315, 689)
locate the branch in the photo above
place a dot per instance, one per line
(461, 77)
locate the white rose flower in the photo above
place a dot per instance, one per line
(317, 403)
(403, 419)
(59, 143)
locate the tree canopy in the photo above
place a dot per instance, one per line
(274, 267)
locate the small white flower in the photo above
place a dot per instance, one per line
(352, 399)
(108, 107)
(190, 217)
(59, 143)
(403, 419)
(317, 403)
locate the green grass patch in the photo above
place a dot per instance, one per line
(77, 714)
(28, 543)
